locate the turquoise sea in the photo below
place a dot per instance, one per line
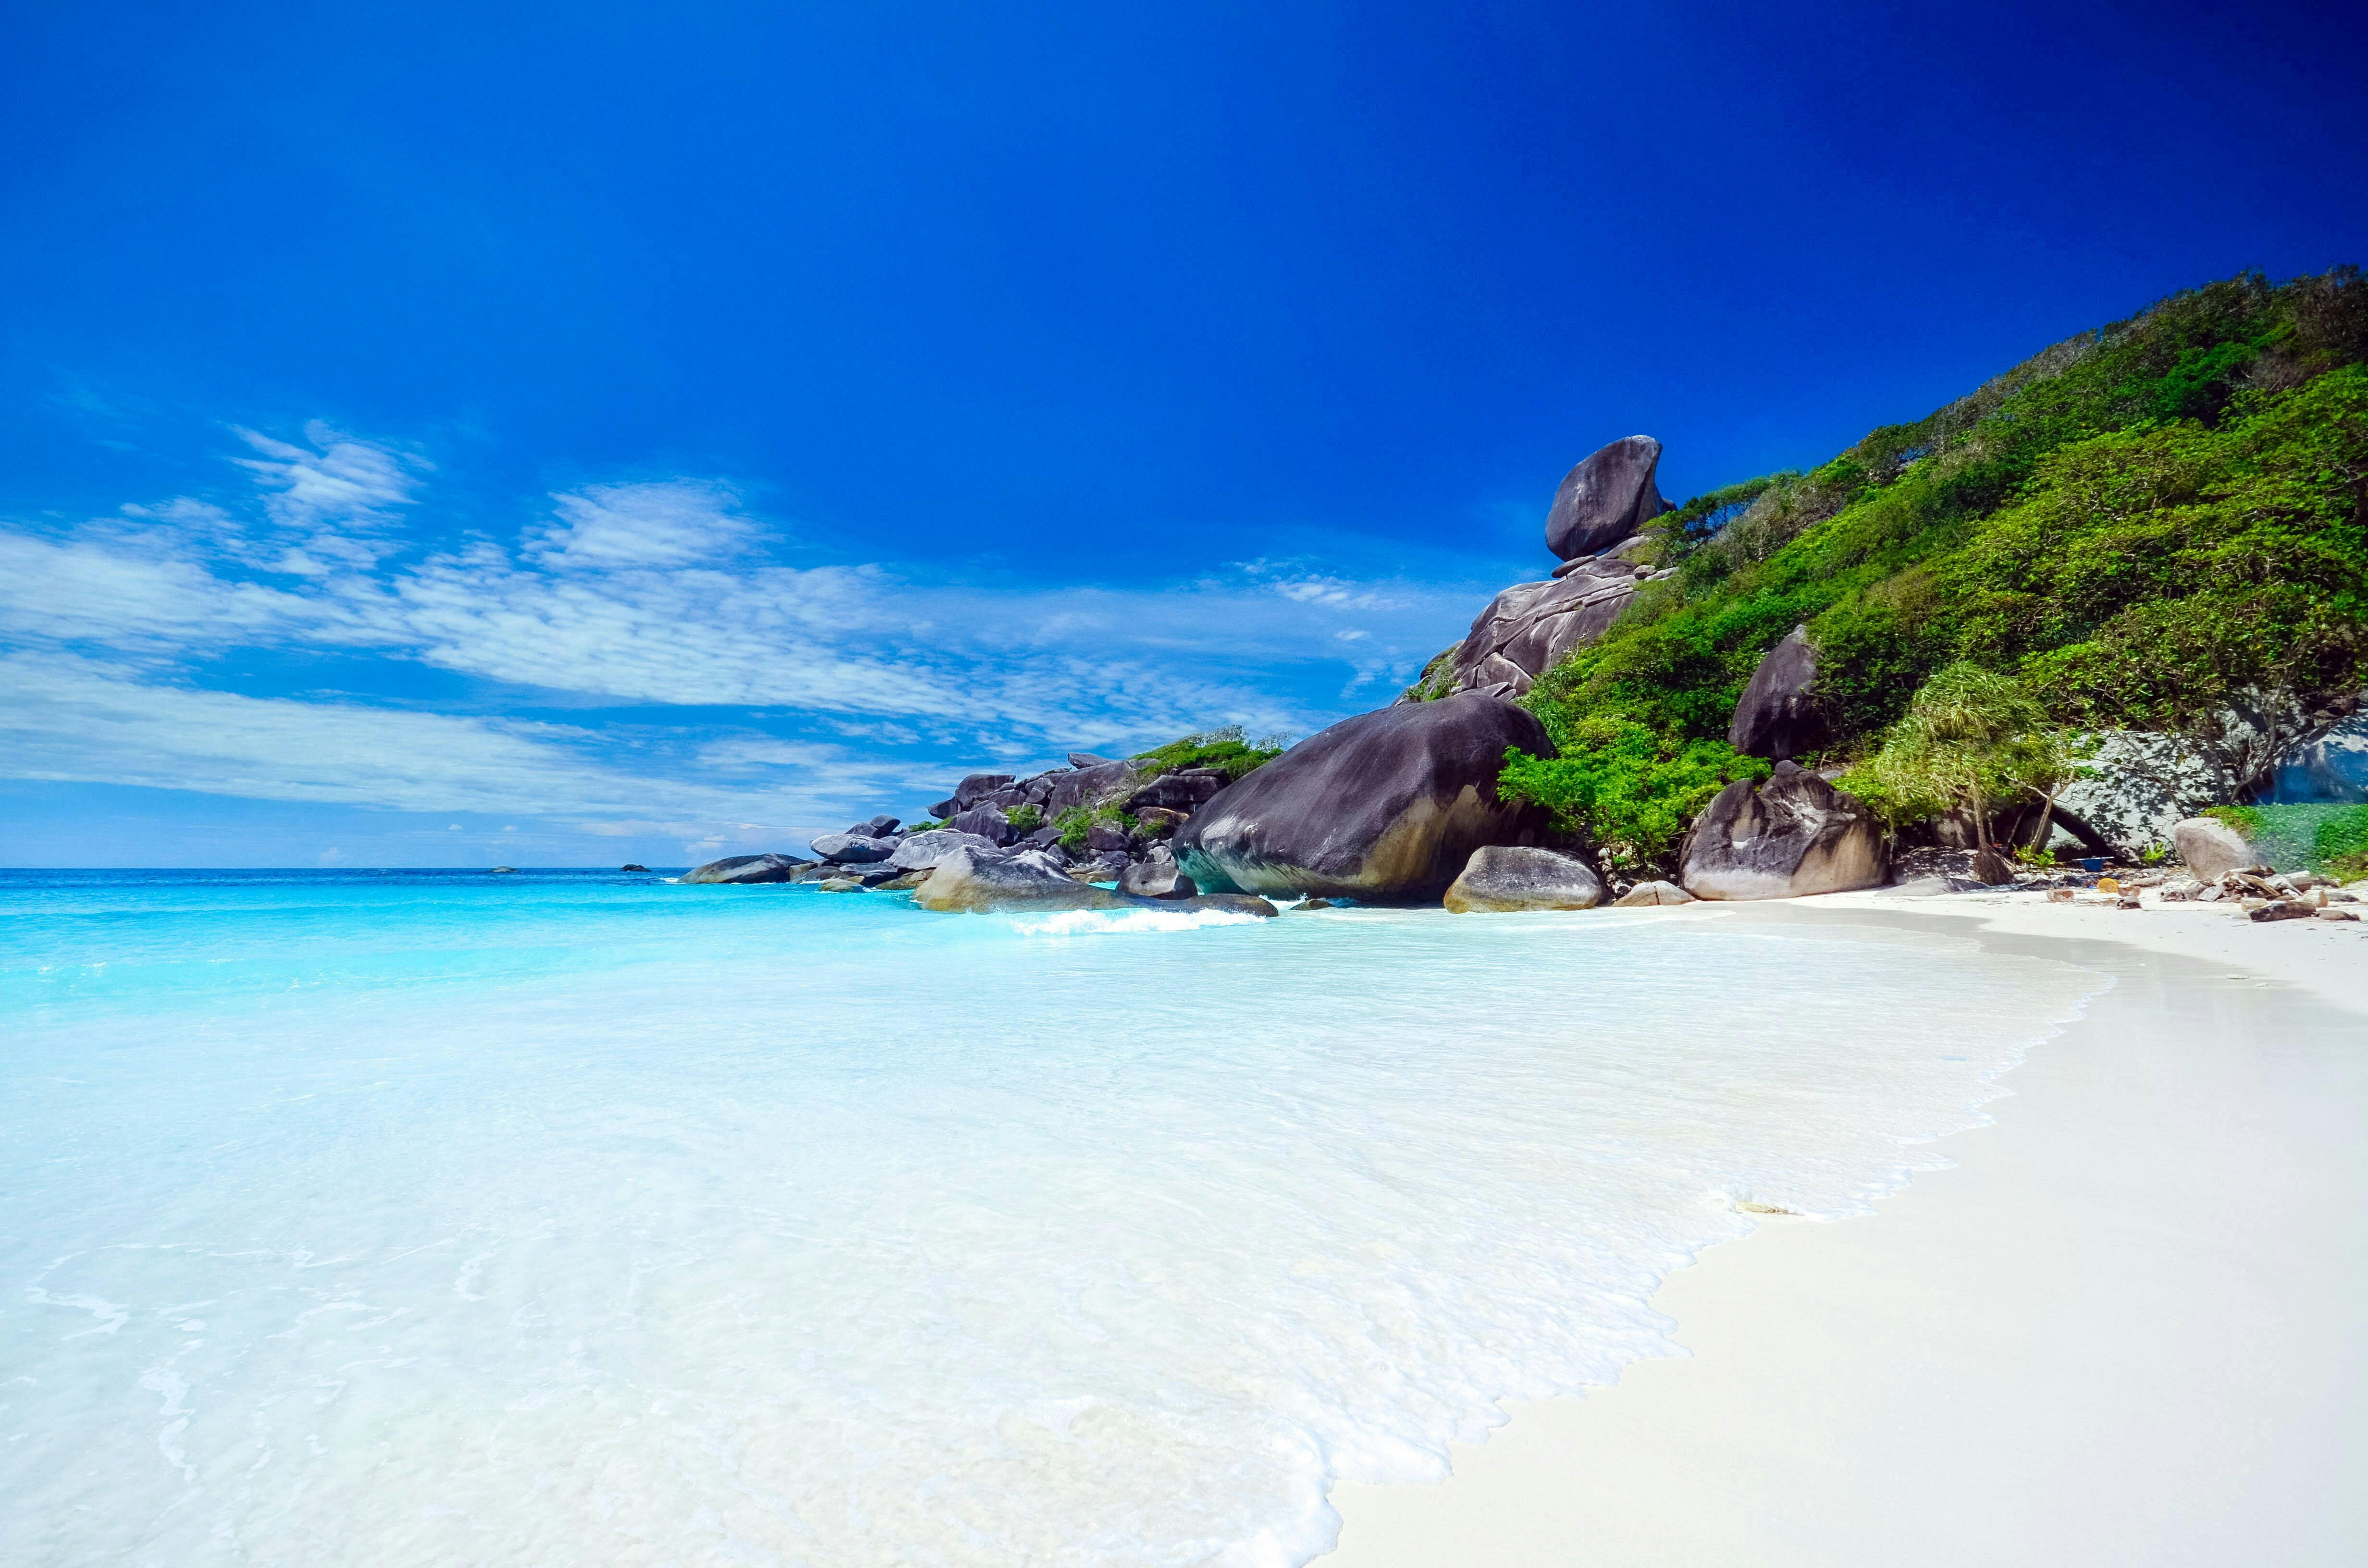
(569, 1218)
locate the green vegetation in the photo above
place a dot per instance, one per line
(2127, 528)
(1970, 738)
(1227, 748)
(1074, 823)
(2329, 840)
(1024, 819)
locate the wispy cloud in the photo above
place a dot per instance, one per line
(626, 596)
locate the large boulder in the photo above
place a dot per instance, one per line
(923, 850)
(1104, 784)
(1157, 875)
(1778, 716)
(1607, 498)
(2330, 769)
(874, 827)
(1186, 791)
(1793, 836)
(1387, 807)
(2212, 849)
(1652, 895)
(986, 821)
(2146, 783)
(976, 788)
(739, 869)
(851, 850)
(1530, 626)
(1500, 878)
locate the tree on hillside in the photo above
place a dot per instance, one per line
(1971, 737)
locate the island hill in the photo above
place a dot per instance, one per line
(2111, 605)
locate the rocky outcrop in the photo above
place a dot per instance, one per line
(1387, 806)
(1791, 837)
(1105, 783)
(738, 868)
(2330, 768)
(1502, 878)
(2211, 848)
(851, 850)
(1779, 715)
(1606, 498)
(986, 882)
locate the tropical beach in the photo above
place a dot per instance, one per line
(1229, 787)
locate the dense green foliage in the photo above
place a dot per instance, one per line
(2131, 526)
(1074, 823)
(1024, 819)
(1970, 738)
(1629, 789)
(1226, 748)
(2330, 840)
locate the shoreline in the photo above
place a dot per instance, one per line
(2115, 1327)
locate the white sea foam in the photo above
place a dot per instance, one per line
(727, 1225)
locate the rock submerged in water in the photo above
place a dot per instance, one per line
(1790, 837)
(632, 866)
(1157, 875)
(1504, 878)
(1777, 716)
(745, 868)
(1609, 496)
(1387, 807)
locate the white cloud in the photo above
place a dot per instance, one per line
(337, 480)
(679, 523)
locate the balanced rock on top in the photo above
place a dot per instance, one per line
(1607, 498)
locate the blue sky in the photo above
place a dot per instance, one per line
(651, 432)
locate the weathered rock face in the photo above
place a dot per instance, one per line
(1777, 716)
(1385, 806)
(1530, 626)
(976, 788)
(2147, 783)
(1791, 837)
(1607, 498)
(747, 868)
(986, 822)
(923, 850)
(2212, 849)
(849, 850)
(874, 827)
(1500, 878)
(2331, 768)
(1103, 784)
(1186, 791)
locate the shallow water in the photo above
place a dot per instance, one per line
(571, 1218)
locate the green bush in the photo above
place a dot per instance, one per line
(1024, 819)
(1227, 748)
(1625, 788)
(1076, 820)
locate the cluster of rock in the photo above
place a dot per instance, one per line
(2266, 894)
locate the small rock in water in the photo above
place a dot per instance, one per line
(630, 866)
(1646, 896)
(1304, 904)
(504, 871)
(839, 884)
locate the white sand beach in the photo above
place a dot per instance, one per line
(2125, 1326)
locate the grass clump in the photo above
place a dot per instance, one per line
(1227, 748)
(1077, 821)
(2330, 841)
(1024, 819)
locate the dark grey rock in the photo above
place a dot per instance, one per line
(874, 827)
(944, 809)
(631, 866)
(976, 788)
(1503, 878)
(1045, 837)
(1157, 875)
(1101, 866)
(1385, 806)
(988, 822)
(1606, 498)
(1793, 836)
(1157, 822)
(1530, 626)
(1104, 835)
(1106, 783)
(1186, 793)
(849, 849)
(1779, 715)
(741, 868)
(1088, 759)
